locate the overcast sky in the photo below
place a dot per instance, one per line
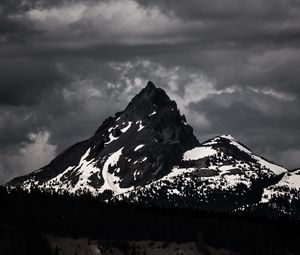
(232, 66)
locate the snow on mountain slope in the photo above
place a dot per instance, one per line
(220, 168)
(198, 153)
(288, 187)
(84, 170)
(251, 159)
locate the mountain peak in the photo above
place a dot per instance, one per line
(149, 99)
(153, 94)
(150, 85)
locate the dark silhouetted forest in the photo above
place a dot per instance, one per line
(24, 217)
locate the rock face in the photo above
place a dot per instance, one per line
(148, 154)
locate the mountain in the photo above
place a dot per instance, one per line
(219, 174)
(135, 147)
(148, 154)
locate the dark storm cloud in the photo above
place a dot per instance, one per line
(262, 121)
(233, 37)
(224, 10)
(234, 20)
(231, 65)
(25, 81)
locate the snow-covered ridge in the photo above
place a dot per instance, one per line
(224, 171)
(231, 140)
(290, 181)
(276, 169)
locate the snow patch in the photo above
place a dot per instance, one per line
(229, 137)
(266, 196)
(212, 142)
(111, 181)
(111, 139)
(139, 147)
(111, 161)
(198, 153)
(291, 180)
(139, 122)
(153, 113)
(135, 174)
(123, 130)
(176, 172)
(274, 168)
(86, 169)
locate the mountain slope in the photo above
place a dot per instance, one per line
(220, 169)
(288, 187)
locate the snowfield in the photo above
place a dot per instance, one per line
(198, 153)
(290, 181)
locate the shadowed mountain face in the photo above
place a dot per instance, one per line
(137, 146)
(149, 154)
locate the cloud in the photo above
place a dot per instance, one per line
(24, 81)
(257, 119)
(106, 22)
(290, 157)
(38, 152)
(30, 156)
